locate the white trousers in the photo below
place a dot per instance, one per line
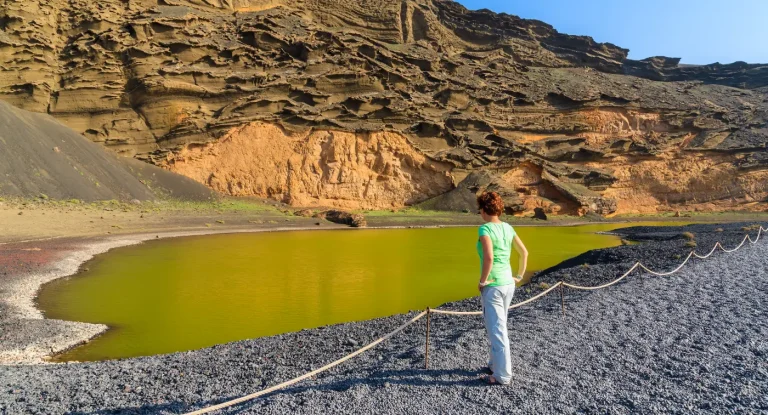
(496, 301)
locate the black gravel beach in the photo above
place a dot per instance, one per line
(693, 342)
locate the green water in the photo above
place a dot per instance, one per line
(189, 293)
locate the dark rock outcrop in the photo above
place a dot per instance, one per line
(737, 74)
(354, 220)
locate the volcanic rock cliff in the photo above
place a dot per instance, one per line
(379, 103)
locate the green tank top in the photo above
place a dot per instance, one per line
(501, 235)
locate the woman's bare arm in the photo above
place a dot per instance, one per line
(520, 248)
(487, 245)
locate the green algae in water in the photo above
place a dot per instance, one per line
(194, 292)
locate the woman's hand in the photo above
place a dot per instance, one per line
(481, 285)
(520, 248)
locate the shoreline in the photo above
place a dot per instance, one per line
(33, 346)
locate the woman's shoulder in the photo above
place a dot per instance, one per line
(484, 229)
(491, 227)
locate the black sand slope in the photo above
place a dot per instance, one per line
(40, 157)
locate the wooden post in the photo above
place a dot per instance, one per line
(426, 343)
(562, 299)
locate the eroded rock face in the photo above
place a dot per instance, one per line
(315, 168)
(559, 122)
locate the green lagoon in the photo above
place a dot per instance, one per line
(188, 293)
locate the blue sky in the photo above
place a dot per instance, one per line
(699, 31)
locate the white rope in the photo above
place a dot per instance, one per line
(456, 313)
(714, 248)
(746, 238)
(737, 248)
(664, 274)
(532, 299)
(308, 375)
(616, 281)
(513, 306)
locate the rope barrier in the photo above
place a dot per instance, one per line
(532, 299)
(714, 248)
(386, 337)
(743, 241)
(477, 313)
(616, 281)
(746, 238)
(310, 374)
(664, 274)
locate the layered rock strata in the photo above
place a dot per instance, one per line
(557, 122)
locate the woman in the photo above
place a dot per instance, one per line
(497, 286)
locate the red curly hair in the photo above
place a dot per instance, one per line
(490, 203)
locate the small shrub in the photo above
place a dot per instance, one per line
(220, 221)
(689, 236)
(544, 286)
(691, 244)
(585, 266)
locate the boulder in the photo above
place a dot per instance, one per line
(354, 220)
